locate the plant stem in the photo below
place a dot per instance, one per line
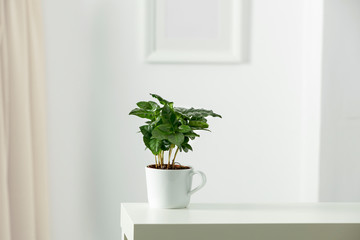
(156, 165)
(159, 159)
(162, 158)
(168, 165)
(173, 162)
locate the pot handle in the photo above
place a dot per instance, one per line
(203, 178)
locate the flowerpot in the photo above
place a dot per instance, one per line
(171, 188)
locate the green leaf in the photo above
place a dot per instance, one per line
(186, 147)
(165, 146)
(159, 134)
(191, 135)
(155, 146)
(181, 119)
(166, 128)
(155, 122)
(146, 130)
(151, 106)
(184, 128)
(162, 131)
(168, 115)
(198, 124)
(142, 113)
(195, 113)
(161, 100)
(177, 138)
(200, 119)
(199, 128)
(144, 105)
(154, 105)
(146, 141)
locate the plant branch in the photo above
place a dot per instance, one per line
(162, 158)
(159, 159)
(169, 159)
(173, 162)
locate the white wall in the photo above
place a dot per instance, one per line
(340, 137)
(96, 74)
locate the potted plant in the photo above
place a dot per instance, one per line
(167, 132)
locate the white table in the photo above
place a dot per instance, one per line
(296, 221)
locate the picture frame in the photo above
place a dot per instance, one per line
(216, 38)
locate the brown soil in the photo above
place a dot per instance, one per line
(177, 167)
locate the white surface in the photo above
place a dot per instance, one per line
(195, 31)
(140, 213)
(340, 132)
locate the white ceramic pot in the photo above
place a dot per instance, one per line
(168, 188)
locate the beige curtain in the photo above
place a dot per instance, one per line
(23, 188)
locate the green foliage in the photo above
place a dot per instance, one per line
(170, 126)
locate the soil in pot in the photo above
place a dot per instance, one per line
(176, 167)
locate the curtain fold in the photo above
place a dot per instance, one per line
(23, 163)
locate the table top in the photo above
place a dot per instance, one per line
(245, 213)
